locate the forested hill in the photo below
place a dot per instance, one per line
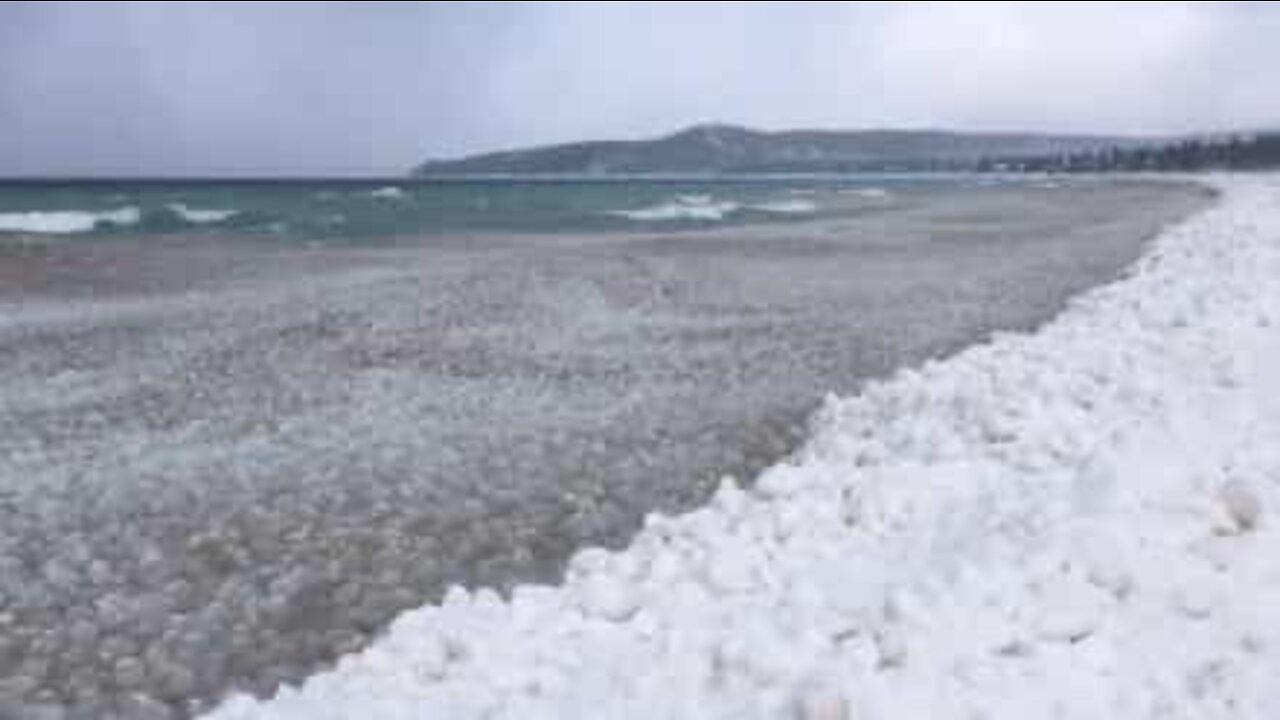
(727, 149)
(1258, 151)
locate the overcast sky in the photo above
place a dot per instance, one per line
(219, 87)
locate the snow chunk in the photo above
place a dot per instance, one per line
(817, 701)
(608, 598)
(1242, 506)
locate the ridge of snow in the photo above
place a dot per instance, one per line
(1075, 523)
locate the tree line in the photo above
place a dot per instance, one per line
(1239, 152)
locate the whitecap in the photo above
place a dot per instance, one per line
(787, 207)
(389, 192)
(870, 193)
(201, 217)
(66, 222)
(682, 207)
(695, 199)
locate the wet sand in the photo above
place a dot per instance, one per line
(222, 463)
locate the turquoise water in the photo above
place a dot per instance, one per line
(389, 208)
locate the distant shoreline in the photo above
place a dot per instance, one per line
(359, 181)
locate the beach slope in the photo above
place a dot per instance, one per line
(1075, 523)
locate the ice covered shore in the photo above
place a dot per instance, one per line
(1078, 523)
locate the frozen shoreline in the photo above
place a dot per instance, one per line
(1073, 523)
(224, 464)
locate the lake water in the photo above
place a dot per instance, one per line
(361, 211)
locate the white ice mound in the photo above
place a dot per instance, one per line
(67, 222)
(682, 207)
(198, 216)
(1029, 529)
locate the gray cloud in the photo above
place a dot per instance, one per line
(373, 87)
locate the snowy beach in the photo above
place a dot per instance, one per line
(1073, 523)
(224, 462)
(639, 361)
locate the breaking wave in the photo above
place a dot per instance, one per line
(682, 207)
(787, 207)
(201, 217)
(870, 193)
(387, 193)
(67, 222)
